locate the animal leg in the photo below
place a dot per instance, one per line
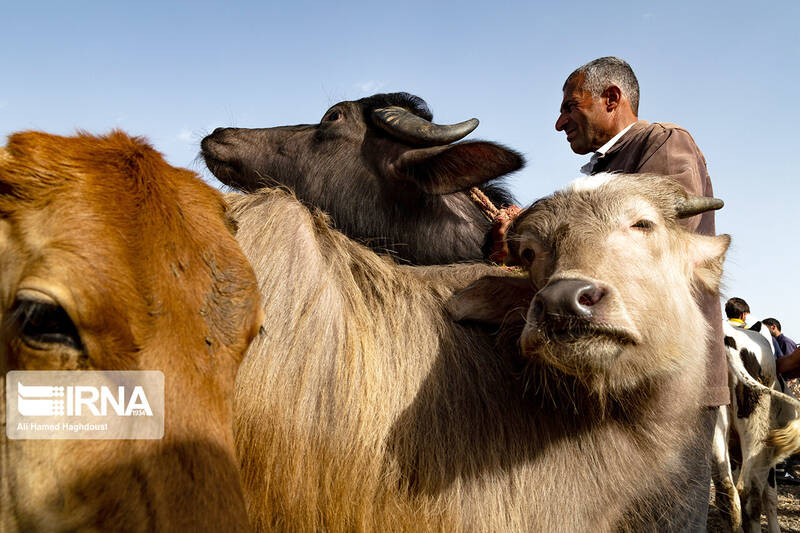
(727, 497)
(770, 503)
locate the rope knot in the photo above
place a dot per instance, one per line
(501, 220)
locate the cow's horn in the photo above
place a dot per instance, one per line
(407, 126)
(694, 205)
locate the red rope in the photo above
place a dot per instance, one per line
(501, 220)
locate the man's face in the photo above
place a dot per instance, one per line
(773, 330)
(583, 118)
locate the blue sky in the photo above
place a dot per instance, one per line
(727, 71)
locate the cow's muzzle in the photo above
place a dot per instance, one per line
(570, 309)
(567, 299)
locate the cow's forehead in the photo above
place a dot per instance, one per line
(594, 201)
(85, 200)
(34, 168)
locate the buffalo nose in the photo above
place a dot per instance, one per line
(567, 298)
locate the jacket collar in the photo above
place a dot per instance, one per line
(631, 134)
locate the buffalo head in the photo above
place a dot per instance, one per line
(385, 173)
(613, 280)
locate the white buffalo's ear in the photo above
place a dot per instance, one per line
(456, 167)
(707, 255)
(493, 300)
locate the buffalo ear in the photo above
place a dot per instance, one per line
(457, 167)
(707, 255)
(493, 300)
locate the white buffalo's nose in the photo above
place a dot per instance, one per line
(567, 298)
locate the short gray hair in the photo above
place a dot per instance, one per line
(606, 71)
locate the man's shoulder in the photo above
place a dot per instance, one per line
(671, 135)
(668, 128)
(648, 147)
(656, 132)
(652, 136)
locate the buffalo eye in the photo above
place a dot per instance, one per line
(644, 225)
(332, 116)
(528, 255)
(42, 323)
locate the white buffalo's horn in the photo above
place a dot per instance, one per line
(694, 205)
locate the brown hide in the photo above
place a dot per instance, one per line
(363, 407)
(141, 258)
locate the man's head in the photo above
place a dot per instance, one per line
(737, 308)
(600, 99)
(773, 326)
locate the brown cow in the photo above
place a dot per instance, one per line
(110, 259)
(364, 407)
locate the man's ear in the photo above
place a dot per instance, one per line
(706, 255)
(493, 300)
(612, 96)
(456, 167)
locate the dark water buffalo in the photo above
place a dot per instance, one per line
(381, 169)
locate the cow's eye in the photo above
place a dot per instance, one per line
(644, 225)
(332, 116)
(42, 323)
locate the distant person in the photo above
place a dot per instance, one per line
(599, 114)
(789, 365)
(737, 310)
(776, 349)
(786, 345)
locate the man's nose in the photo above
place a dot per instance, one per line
(561, 122)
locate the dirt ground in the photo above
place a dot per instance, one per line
(788, 511)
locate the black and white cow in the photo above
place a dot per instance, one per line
(747, 439)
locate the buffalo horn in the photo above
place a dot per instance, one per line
(694, 205)
(407, 126)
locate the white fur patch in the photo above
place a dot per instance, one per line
(590, 183)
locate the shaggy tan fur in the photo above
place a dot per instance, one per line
(363, 407)
(141, 257)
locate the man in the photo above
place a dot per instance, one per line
(788, 366)
(599, 113)
(737, 310)
(785, 344)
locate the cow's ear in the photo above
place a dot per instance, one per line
(457, 167)
(493, 300)
(707, 255)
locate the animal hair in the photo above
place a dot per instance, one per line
(363, 406)
(415, 104)
(145, 275)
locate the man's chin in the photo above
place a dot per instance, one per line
(578, 147)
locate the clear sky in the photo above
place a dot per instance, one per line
(173, 71)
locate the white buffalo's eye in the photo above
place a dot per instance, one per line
(643, 224)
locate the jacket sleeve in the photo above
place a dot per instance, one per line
(678, 157)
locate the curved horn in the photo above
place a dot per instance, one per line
(694, 205)
(407, 126)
